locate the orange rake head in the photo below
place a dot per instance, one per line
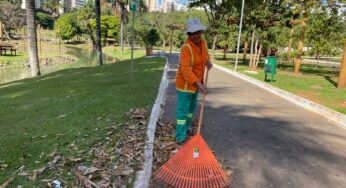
(194, 165)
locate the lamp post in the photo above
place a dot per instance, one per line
(239, 34)
(133, 8)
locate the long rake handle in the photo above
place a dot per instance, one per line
(202, 106)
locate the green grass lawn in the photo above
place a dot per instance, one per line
(45, 49)
(48, 113)
(20, 56)
(316, 84)
(25, 56)
(116, 53)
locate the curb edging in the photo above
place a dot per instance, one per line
(300, 101)
(143, 176)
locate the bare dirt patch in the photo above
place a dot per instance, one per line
(341, 104)
(310, 95)
(316, 86)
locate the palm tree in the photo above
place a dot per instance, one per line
(98, 31)
(119, 8)
(32, 37)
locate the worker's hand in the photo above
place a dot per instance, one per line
(201, 88)
(209, 65)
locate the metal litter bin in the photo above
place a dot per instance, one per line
(270, 67)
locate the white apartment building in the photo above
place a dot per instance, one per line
(38, 4)
(152, 5)
(68, 4)
(71, 4)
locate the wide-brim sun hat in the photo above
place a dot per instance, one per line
(194, 25)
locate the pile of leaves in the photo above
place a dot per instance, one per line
(111, 162)
(165, 147)
(165, 144)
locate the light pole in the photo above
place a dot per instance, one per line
(133, 8)
(239, 34)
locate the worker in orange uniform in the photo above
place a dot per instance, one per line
(194, 58)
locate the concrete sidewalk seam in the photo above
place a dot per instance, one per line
(143, 176)
(300, 101)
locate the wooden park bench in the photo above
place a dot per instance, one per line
(9, 48)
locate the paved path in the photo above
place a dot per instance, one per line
(266, 140)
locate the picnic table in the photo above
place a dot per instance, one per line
(9, 48)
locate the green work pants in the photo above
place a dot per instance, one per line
(186, 106)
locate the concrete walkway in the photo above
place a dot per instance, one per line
(266, 140)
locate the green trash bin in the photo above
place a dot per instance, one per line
(270, 67)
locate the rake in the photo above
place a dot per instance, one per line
(194, 165)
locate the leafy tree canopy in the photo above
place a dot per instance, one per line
(110, 26)
(325, 33)
(45, 20)
(67, 26)
(11, 14)
(151, 37)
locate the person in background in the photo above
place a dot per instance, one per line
(194, 59)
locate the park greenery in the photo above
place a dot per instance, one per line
(294, 29)
(73, 106)
(317, 85)
(310, 30)
(268, 24)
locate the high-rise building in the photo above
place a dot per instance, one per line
(38, 4)
(163, 6)
(71, 4)
(168, 6)
(152, 5)
(68, 4)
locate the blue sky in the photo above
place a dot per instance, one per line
(178, 1)
(181, 1)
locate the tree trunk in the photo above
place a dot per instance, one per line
(171, 41)
(318, 59)
(163, 44)
(122, 36)
(32, 38)
(289, 48)
(300, 46)
(342, 73)
(224, 53)
(148, 50)
(246, 44)
(24, 41)
(213, 48)
(255, 54)
(251, 50)
(91, 35)
(98, 32)
(0, 32)
(258, 56)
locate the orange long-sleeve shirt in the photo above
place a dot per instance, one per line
(191, 69)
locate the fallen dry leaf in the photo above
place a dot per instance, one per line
(86, 181)
(90, 170)
(74, 159)
(122, 170)
(110, 161)
(6, 183)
